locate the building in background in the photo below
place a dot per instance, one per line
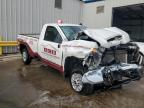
(125, 14)
(28, 16)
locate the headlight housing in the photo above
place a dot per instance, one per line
(93, 59)
(93, 50)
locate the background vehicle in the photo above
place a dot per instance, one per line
(88, 56)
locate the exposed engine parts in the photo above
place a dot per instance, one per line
(111, 65)
(125, 53)
(93, 59)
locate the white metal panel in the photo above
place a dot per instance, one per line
(93, 20)
(28, 16)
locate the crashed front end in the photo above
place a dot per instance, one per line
(112, 66)
(113, 59)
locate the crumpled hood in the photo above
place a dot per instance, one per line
(103, 35)
(78, 48)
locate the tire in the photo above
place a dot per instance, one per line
(76, 81)
(119, 86)
(26, 57)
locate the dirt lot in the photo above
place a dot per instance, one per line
(38, 86)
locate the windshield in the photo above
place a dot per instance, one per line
(71, 31)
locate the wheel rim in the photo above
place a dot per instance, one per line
(76, 82)
(24, 56)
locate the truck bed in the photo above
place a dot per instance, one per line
(31, 40)
(33, 35)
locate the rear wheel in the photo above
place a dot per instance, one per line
(26, 57)
(77, 84)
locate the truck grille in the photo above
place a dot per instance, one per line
(118, 56)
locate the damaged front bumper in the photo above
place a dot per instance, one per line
(107, 75)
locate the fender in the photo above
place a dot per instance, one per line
(31, 53)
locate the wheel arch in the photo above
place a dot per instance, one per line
(21, 47)
(69, 64)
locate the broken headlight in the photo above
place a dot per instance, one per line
(93, 59)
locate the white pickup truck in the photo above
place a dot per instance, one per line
(88, 57)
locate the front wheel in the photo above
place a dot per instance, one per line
(26, 57)
(77, 84)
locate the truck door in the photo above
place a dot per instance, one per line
(49, 47)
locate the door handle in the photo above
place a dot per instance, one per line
(59, 45)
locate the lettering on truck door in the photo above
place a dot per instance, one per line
(49, 46)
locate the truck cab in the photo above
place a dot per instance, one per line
(49, 45)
